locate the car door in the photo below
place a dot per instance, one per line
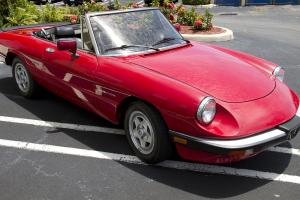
(74, 76)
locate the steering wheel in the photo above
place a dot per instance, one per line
(45, 33)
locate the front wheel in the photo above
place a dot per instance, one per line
(147, 133)
(23, 79)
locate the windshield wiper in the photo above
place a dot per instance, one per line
(125, 46)
(167, 39)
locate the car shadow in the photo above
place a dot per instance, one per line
(52, 108)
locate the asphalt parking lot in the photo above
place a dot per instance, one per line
(51, 149)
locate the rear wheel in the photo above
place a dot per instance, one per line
(23, 79)
(147, 133)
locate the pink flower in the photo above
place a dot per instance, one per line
(135, 5)
(73, 19)
(171, 5)
(198, 23)
(177, 26)
(171, 17)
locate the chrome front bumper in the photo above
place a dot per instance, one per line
(257, 142)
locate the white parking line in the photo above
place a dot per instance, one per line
(298, 112)
(105, 130)
(285, 150)
(195, 167)
(77, 127)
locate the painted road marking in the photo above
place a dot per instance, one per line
(105, 130)
(195, 167)
(285, 150)
(77, 127)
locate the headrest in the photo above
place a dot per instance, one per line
(64, 32)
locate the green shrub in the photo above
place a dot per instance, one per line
(21, 16)
(72, 10)
(24, 12)
(155, 3)
(195, 2)
(208, 19)
(187, 17)
(50, 13)
(90, 7)
(114, 5)
(4, 11)
(21, 12)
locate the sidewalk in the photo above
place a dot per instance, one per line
(232, 10)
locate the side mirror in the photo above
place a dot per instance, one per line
(67, 45)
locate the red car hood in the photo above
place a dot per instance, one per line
(215, 72)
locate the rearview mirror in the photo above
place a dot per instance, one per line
(67, 45)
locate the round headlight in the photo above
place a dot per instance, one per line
(279, 73)
(206, 110)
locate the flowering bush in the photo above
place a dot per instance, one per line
(73, 19)
(198, 25)
(168, 9)
(208, 19)
(24, 12)
(187, 17)
(177, 26)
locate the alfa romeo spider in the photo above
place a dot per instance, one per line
(131, 67)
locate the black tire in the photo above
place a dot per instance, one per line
(32, 88)
(162, 146)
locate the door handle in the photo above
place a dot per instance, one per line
(50, 50)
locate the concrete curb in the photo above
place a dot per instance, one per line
(227, 35)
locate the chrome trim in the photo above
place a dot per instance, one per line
(251, 141)
(146, 51)
(276, 72)
(50, 50)
(298, 112)
(92, 35)
(92, 14)
(201, 109)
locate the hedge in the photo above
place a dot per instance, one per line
(195, 2)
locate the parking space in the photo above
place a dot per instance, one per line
(52, 149)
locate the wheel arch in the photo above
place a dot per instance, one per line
(125, 104)
(10, 58)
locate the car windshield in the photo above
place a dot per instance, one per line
(133, 31)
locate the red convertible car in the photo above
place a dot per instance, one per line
(133, 68)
